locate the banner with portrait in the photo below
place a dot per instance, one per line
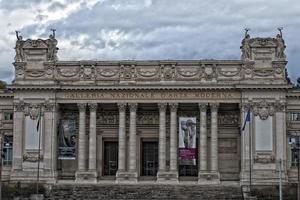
(187, 140)
(67, 136)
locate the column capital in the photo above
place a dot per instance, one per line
(173, 107)
(133, 107)
(162, 106)
(203, 106)
(93, 106)
(214, 106)
(122, 107)
(81, 106)
(19, 106)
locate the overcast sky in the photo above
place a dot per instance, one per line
(148, 29)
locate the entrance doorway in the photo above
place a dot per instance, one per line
(110, 158)
(149, 158)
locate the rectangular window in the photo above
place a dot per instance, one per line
(294, 116)
(8, 116)
(7, 149)
(294, 142)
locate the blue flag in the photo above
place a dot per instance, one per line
(39, 121)
(247, 119)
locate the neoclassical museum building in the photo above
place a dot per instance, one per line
(127, 121)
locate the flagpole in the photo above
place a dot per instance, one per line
(39, 151)
(250, 158)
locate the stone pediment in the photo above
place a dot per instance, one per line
(35, 44)
(263, 42)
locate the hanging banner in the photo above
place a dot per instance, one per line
(67, 140)
(187, 140)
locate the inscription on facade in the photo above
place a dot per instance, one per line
(153, 95)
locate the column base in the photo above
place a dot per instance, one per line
(126, 177)
(165, 177)
(208, 178)
(86, 177)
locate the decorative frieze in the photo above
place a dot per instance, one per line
(202, 72)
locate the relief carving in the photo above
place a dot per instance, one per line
(188, 71)
(32, 157)
(263, 72)
(49, 70)
(263, 109)
(210, 72)
(35, 73)
(107, 72)
(87, 72)
(33, 110)
(106, 118)
(127, 72)
(49, 107)
(67, 72)
(167, 72)
(147, 72)
(280, 106)
(229, 71)
(20, 69)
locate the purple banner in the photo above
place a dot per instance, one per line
(187, 141)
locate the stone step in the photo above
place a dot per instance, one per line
(136, 191)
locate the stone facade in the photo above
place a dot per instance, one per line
(129, 103)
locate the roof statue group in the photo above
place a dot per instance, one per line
(51, 42)
(246, 46)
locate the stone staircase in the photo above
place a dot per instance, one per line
(144, 191)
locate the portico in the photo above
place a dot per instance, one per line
(159, 120)
(130, 129)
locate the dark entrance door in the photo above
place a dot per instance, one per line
(110, 158)
(149, 158)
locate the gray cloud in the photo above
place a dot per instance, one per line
(166, 29)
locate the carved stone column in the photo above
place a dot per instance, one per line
(132, 143)
(18, 132)
(214, 142)
(93, 142)
(162, 136)
(172, 174)
(81, 168)
(122, 142)
(202, 154)
(173, 138)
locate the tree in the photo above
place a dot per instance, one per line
(2, 84)
(298, 82)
